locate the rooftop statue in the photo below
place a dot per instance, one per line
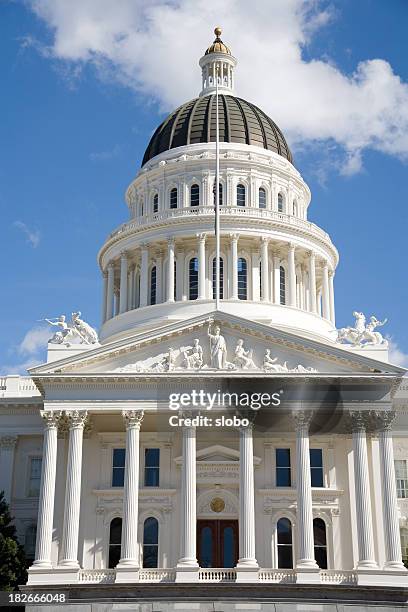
(362, 334)
(76, 331)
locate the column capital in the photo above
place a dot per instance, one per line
(171, 242)
(302, 420)
(123, 254)
(133, 418)
(359, 420)
(76, 418)
(8, 441)
(51, 418)
(202, 236)
(111, 265)
(234, 237)
(291, 246)
(144, 246)
(384, 419)
(265, 240)
(311, 254)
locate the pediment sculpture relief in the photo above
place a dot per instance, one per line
(192, 358)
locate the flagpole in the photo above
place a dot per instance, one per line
(217, 199)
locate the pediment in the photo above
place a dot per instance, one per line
(185, 348)
(216, 455)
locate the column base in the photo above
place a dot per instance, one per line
(187, 573)
(52, 575)
(127, 573)
(386, 578)
(307, 574)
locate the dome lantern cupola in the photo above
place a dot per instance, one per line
(217, 60)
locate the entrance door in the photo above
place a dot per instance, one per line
(217, 543)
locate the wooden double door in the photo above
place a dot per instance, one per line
(217, 543)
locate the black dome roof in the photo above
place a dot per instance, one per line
(239, 121)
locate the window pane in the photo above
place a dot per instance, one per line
(119, 456)
(114, 555)
(285, 557)
(283, 472)
(220, 196)
(152, 477)
(194, 195)
(283, 457)
(153, 286)
(150, 555)
(193, 278)
(156, 203)
(118, 477)
(284, 535)
(284, 529)
(240, 195)
(228, 548)
(320, 548)
(151, 531)
(173, 198)
(316, 467)
(262, 198)
(402, 478)
(242, 279)
(282, 285)
(280, 203)
(206, 547)
(115, 532)
(221, 278)
(35, 476)
(152, 457)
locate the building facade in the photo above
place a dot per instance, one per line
(147, 456)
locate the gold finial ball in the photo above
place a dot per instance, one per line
(217, 31)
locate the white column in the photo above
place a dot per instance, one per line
(234, 266)
(47, 490)
(104, 295)
(312, 282)
(143, 275)
(77, 421)
(7, 446)
(246, 499)
(276, 279)
(292, 275)
(123, 282)
(131, 287)
(264, 269)
(187, 563)
(255, 276)
(363, 498)
(331, 297)
(117, 301)
(306, 560)
(393, 556)
(180, 293)
(170, 270)
(201, 266)
(325, 292)
(109, 298)
(129, 561)
(159, 277)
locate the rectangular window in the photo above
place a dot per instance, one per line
(118, 467)
(152, 467)
(35, 477)
(283, 473)
(401, 478)
(316, 467)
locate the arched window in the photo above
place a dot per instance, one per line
(242, 279)
(173, 198)
(29, 542)
(262, 198)
(115, 538)
(282, 285)
(295, 208)
(221, 278)
(280, 202)
(284, 543)
(153, 278)
(141, 208)
(150, 542)
(194, 195)
(220, 194)
(193, 279)
(320, 544)
(241, 195)
(156, 203)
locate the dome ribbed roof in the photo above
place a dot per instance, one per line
(239, 121)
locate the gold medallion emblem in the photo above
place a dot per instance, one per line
(217, 504)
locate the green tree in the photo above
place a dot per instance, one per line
(12, 558)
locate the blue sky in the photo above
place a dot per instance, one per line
(79, 104)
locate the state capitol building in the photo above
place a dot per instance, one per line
(295, 489)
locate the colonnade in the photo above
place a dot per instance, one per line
(127, 286)
(188, 555)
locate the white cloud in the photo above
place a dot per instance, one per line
(33, 236)
(153, 47)
(105, 155)
(396, 355)
(34, 341)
